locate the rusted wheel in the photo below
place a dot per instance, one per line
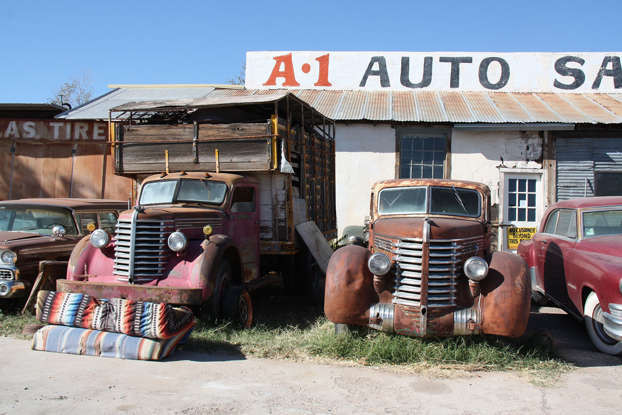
(237, 306)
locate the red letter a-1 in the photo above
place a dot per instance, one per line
(287, 72)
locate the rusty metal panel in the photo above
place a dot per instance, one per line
(509, 108)
(308, 96)
(566, 111)
(429, 107)
(609, 102)
(482, 107)
(378, 106)
(352, 106)
(404, 107)
(595, 112)
(455, 107)
(327, 101)
(537, 109)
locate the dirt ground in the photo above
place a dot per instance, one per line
(195, 383)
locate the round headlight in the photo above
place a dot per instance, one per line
(379, 264)
(4, 289)
(8, 257)
(99, 238)
(476, 268)
(177, 241)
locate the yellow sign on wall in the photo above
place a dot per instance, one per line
(515, 235)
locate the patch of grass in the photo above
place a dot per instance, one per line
(12, 323)
(288, 329)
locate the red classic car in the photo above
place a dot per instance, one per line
(575, 261)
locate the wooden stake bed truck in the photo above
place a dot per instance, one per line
(243, 193)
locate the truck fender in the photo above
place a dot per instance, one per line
(204, 272)
(79, 258)
(506, 296)
(349, 290)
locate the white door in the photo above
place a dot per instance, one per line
(522, 207)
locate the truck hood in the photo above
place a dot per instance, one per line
(440, 228)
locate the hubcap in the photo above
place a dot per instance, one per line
(597, 319)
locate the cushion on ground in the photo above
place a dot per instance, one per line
(134, 318)
(75, 340)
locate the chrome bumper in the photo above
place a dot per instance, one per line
(10, 289)
(612, 321)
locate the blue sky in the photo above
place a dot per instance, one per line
(46, 43)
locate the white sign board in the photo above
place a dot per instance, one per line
(439, 71)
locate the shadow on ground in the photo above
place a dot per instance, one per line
(569, 338)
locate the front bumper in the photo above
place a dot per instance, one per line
(169, 295)
(612, 321)
(12, 289)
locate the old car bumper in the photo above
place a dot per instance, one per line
(170, 295)
(613, 321)
(11, 289)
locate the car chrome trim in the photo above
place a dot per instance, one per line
(381, 317)
(468, 321)
(612, 321)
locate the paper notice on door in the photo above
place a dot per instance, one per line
(516, 235)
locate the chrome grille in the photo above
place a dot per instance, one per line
(141, 254)
(446, 258)
(6, 274)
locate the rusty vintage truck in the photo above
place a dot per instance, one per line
(429, 269)
(242, 195)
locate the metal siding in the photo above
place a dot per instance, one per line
(594, 111)
(429, 107)
(509, 108)
(538, 111)
(482, 108)
(404, 107)
(574, 167)
(455, 106)
(327, 102)
(609, 102)
(607, 154)
(563, 108)
(378, 106)
(352, 106)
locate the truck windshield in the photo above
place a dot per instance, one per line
(184, 190)
(443, 200)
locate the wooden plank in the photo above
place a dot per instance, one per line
(234, 155)
(316, 243)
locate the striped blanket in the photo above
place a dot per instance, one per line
(117, 315)
(74, 340)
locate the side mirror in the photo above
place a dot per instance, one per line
(59, 231)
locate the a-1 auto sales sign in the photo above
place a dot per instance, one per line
(440, 71)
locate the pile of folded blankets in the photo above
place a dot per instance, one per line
(126, 329)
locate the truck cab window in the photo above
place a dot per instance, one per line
(243, 200)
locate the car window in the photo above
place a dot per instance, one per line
(551, 222)
(36, 219)
(107, 221)
(602, 222)
(84, 219)
(567, 223)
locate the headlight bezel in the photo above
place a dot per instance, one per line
(12, 257)
(174, 237)
(379, 264)
(99, 238)
(472, 274)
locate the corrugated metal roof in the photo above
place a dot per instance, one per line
(387, 106)
(213, 99)
(98, 108)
